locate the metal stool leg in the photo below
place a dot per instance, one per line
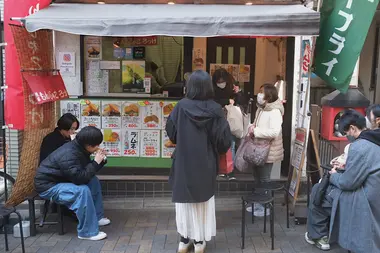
(32, 215)
(60, 220)
(272, 224)
(6, 218)
(243, 224)
(265, 218)
(21, 232)
(287, 208)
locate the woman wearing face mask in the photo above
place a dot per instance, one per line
(223, 89)
(373, 117)
(268, 125)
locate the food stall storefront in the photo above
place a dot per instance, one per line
(124, 65)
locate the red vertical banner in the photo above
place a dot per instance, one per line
(14, 98)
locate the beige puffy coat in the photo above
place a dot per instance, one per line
(268, 125)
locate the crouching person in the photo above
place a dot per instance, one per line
(67, 177)
(349, 213)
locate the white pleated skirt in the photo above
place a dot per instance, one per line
(196, 221)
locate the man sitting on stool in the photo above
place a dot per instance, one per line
(67, 177)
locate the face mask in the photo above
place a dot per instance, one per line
(350, 138)
(221, 85)
(260, 99)
(368, 123)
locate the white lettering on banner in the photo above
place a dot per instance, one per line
(339, 41)
(348, 17)
(32, 99)
(34, 9)
(330, 65)
(37, 115)
(33, 45)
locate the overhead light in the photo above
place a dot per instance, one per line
(248, 3)
(171, 2)
(101, 3)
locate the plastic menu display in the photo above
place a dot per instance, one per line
(150, 143)
(167, 108)
(167, 146)
(131, 143)
(150, 115)
(71, 106)
(90, 113)
(131, 115)
(111, 114)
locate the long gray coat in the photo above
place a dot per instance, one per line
(355, 217)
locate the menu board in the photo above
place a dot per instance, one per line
(150, 143)
(71, 106)
(167, 146)
(150, 115)
(90, 115)
(111, 142)
(131, 143)
(111, 116)
(167, 108)
(131, 115)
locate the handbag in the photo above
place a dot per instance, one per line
(235, 120)
(257, 151)
(321, 190)
(240, 163)
(226, 164)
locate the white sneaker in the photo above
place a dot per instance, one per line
(249, 209)
(104, 222)
(200, 247)
(98, 237)
(259, 211)
(183, 248)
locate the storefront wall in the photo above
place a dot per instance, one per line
(270, 62)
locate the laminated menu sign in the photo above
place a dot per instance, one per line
(131, 143)
(90, 113)
(71, 106)
(150, 143)
(150, 115)
(111, 116)
(167, 108)
(111, 142)
(167, 146)
(93, 45)
(131, 115)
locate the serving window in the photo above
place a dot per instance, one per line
(117, 66)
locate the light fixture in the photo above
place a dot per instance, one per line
(248, 3)
(101, 3)
(171, 2)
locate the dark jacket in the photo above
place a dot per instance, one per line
(241, 100)
(70, 163)
(51, 142)
(200, 132)
(223, 96)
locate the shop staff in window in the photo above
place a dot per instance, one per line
(67, 177)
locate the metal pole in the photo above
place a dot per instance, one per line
(2, 112)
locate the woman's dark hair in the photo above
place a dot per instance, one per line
(375, 109)
(199, 86)
(90, 136)
(349, 118)
(66, 121)
(270, 93)
(225, 76)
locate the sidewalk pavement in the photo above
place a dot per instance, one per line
(154, 231)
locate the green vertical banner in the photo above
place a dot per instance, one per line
(344, 28)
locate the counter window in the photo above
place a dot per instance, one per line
(117, 66)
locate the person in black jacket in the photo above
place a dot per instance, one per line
(66, 126)
(223, 89)
(67, 177)
(199, 129)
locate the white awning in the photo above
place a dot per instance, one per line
(176, 20)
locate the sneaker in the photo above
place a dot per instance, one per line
(224, 176)
(98, 237)
(104, 222)
(231, 178)
(322, 244)
(184, 247)
(200, 247)
(249, 209)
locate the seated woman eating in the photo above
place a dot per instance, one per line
(67, 177)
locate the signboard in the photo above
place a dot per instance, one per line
(66, 63)
(344, 28)
(139, 41)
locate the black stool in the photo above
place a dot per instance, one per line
(264, 199)
(32, 215)
(5, 213)
(273, 187)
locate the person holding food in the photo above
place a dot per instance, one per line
(67, 177)
(196, 121)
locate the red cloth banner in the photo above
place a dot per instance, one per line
(48, 88)
(14, 98)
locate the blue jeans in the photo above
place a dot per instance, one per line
(85, 200)
(233, 147)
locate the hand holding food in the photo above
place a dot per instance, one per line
(169, 144)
